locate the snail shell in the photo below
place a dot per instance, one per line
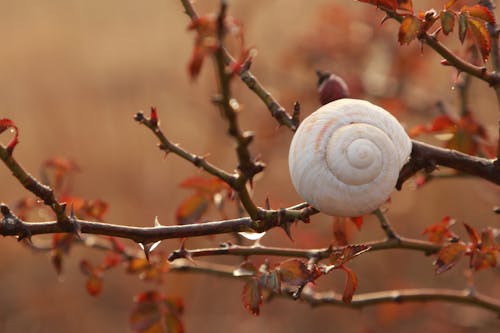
(345, 158)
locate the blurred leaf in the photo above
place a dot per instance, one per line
(473, 234)
(349, 252)
(406, 5)
(156, 313)
(462, 26)
(481, 36)
(358, 221)
(409, 29)
(440, 232)
(252, 296)
(439, 124)
(137, 265)
(246, 268)
(447, 21)
(388, 4)
(6, 124)
(340, 237)
(294, 272)
(192, 209)
(94, 281)
(351, 284)
(450, 3)
(60, 167)
(481, 12)
(111, 260)
(271, 281)
(61, 244)
(448, 256)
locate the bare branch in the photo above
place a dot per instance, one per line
(360, 300)
(428, 157)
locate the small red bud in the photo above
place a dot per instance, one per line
(331, 87)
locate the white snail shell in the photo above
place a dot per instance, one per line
(345, 157)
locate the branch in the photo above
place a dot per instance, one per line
(167, 147)
(11, 225)
(45, 193)
(492, 78)
(360, 300)
(428, 157)
(277, 111)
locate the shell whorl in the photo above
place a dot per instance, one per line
(345, 158)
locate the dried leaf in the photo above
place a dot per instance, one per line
(351, 284)
(481, 12)
(294, 272)
(440, 232)
(246, 268)
(252, 296)
(447, 21)
(387, 4)
(405, 5)
(156, 313)
(271, 281)
(473, 235)
(349, 252)
(6, 124)
(481, 36)
(61, 244)
(462, 26)
(448, 256)
(192, 209)
(409, 29)
(450, 3)
(358, 221)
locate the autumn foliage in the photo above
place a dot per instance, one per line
(214, 201)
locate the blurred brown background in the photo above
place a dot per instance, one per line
(73, 73)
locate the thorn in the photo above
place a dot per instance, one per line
(286, 228)
(267, 205)
(157, 222)
(385, 18)
(148, 248)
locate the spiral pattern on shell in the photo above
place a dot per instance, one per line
(345, 158)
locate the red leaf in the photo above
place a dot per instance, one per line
(439, 232)
(153, 117)
(358, 221)
(209, 186)
(5, 124)
(462, 26)
(450, 3)
(448, 256)
(480, 12)
(349, 252)
(192, 209)
(246, 268)
(387, 4)
(252, 296)
(447, 21)
(61, 244)
(351, 284)
(405, 5)
(473, 235)
(111, 260)
(481, 36)
(156, 313)
(294, 272)
(409, 29)
(94, 284)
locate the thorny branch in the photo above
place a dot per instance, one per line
(423, 157)
(467, 296)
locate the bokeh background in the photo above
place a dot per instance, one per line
(73, 73)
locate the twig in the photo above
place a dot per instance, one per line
(11, 225)
(45, 193)
(384, 223)
(428, 157)
(197, 161)
(360, 300)
(277, 111)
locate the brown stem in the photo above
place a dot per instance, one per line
(276, 110)
(360, 300)
(427, 157)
